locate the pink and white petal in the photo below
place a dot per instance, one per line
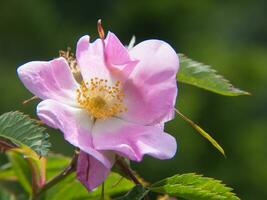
(75, 123)
(133, 140)
(115, 51)
(122, 72)
(162, 145)
(151, 90)
(49, 80)
(112, 63)
(90, 171)
(90, 58)
(117, 58)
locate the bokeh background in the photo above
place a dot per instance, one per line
(231, 36)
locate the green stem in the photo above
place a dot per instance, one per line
(103, 191)
(127, 171)
(35, 178)
(61, 176)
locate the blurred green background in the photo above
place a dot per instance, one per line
(229, 35)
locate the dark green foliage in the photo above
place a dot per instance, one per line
(194, 187)
(20, 129)
(203, 76)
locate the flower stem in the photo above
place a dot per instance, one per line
(103, 191)
(62, 175)
(127, 171)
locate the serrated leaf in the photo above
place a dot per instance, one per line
(202, 132)
(194, 187)
(137, 193)
(20, 129)
(203, 76)
(71, 189)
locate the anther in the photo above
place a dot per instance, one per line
(100, 99)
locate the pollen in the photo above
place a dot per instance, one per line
(101, 99)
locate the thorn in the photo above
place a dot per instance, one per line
(100, 29)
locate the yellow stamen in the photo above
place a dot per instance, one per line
(100, 99)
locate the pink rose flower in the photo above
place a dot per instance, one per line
(120, 107)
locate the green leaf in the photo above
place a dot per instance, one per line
(194, 187)
(137, 193)
(55, 164)
(8, 180)
(6, 195)
(19, 129)
(21, 170)
(203, 76)
(7, 173)
(201, 131)
(67, 189)
(71, 189)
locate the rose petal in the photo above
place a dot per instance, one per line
(90, 58)
(49, 80)
(151, 89)
(118, 58)
(112, 63)
(75, 123)
(133, 140)
(90, 171)
(115, 51)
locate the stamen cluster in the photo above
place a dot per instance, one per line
(100, 99)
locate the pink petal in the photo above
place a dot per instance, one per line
(133, 140)
(111, 63)
(90, 58)
(75, 124)
(90, 171)
(118, 58)
(151, 90)
(49, 80)
(115, 51)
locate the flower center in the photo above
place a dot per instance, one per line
(100, 99)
